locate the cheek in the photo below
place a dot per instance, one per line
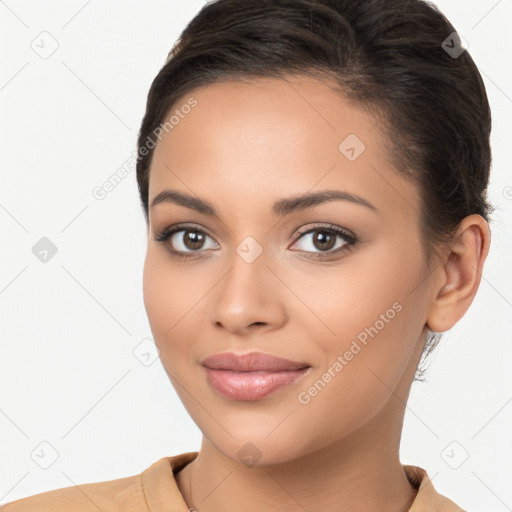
(340, 302)
(164, 297)
(173, 298)
(369, 319)
(156, 292)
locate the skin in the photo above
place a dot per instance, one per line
(243, 147)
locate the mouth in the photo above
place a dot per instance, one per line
(251, 362)
(251, 376)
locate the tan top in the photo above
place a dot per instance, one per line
(155, 490)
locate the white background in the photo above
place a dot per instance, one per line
(68, 327)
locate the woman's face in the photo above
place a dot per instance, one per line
(352, 305)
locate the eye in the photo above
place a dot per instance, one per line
(187, 241)
(184, 239)
(327, 239)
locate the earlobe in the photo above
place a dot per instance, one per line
(460, 272)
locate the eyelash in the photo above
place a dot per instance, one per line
(350, 239)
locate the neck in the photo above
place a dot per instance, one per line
(359, 472)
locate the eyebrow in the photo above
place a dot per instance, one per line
(280, 208)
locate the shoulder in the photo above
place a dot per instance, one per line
(122, 494)
(154, 488)
(428, 499)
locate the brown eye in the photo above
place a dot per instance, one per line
(186, 240)
(192, 240)
(325, 241)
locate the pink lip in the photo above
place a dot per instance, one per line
(251, 376)
(251, 362)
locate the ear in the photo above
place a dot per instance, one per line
(460, 273)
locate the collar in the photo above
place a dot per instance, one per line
(162, 493)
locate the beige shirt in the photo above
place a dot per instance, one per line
(155, 490)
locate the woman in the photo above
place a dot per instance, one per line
(313, 174)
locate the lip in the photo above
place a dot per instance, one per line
(251, 362)
(251, 376)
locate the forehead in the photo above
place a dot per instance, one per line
(270, 138)
(267, 119)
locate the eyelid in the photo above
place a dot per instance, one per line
(166, 233)
(343, 232)
(350, 242)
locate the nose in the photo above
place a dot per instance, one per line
(249, 295)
